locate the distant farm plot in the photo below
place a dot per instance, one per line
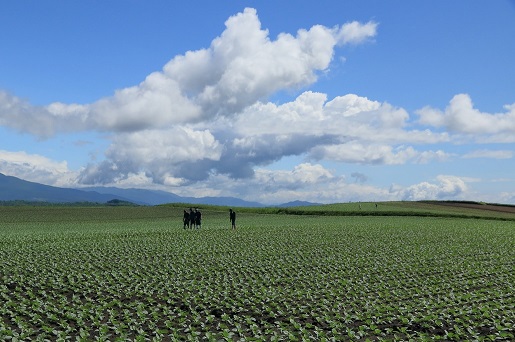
(423, 208)
(133, 273)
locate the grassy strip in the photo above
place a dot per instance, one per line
(389, 213)
(415, 209)
(122, 210)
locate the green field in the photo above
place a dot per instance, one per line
(336, 272)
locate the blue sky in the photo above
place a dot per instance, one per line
(328, 101)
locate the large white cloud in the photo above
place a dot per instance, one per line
(348, 128)
(446, 187)
(241, 66)
(349, 116)
(177, 125)
(160, 154)
(37, 120)
(461, 116)
(175, 146)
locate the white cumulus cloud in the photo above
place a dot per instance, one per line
(446, 187)
(461, 116)
(161, 154)
(240, 67)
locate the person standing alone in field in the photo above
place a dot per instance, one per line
(232, 218)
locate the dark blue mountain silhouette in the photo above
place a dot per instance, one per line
(155, 197)
(16, 189)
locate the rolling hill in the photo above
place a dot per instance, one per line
(16, 189)
(155, 197)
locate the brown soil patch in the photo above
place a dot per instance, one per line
(492, 207)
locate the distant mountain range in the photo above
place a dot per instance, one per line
(12, 189)
(16, 189)
(154, 197)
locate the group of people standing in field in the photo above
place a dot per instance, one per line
(193, 219)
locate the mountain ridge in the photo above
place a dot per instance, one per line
(156, 197)
(16, 189)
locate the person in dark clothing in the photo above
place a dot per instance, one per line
(186, 219)
(232, 218)
(192, 218)
(198, 218)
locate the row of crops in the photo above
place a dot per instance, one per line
(135, 274)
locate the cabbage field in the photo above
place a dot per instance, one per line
(134, 273)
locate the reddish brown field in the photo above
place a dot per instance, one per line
(491, 207)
